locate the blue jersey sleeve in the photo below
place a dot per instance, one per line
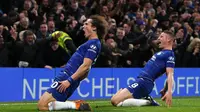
(92, 52)
(170, 61)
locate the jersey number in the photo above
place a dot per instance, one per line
(54, 85)
(134, 85)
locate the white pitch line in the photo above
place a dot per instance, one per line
(7, 104)
(20, 104)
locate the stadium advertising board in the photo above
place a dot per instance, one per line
(18, 84)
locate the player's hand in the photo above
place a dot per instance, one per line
(47, 66)
(167, 98)
(63, 86)
(162, 92)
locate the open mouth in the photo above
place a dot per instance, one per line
(158, 43)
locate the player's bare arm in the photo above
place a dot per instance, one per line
(168, 95)
(164, 90)
(81, 72)
(83, 69)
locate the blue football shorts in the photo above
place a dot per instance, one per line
(141, 88)
(69, 91)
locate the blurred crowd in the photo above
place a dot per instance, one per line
(28, 29)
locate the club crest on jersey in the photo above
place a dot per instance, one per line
(171, 58)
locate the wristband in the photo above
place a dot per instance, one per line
(70, 80)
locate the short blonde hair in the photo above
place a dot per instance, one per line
(193, 43)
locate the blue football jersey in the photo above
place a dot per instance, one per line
(90, 49)
(157, 65)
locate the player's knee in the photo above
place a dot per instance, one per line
(42, 106)
(114, 101)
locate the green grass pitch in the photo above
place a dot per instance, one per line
(179, 105)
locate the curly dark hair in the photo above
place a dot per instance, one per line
(101, 25)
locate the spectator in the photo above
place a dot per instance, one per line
(44, 7)
(131, 36)
(196, 32)
(122, 45)
(4, 33)
(74, 11)
(182, 41)
(112, 54)
(10, 19)
(23, 24)
(64, 41)
(53, 55)
(112, 24)
(42, 32)
(6, 55)
(26, 50)
(83, 5)
(192, 55)
(51, 26)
